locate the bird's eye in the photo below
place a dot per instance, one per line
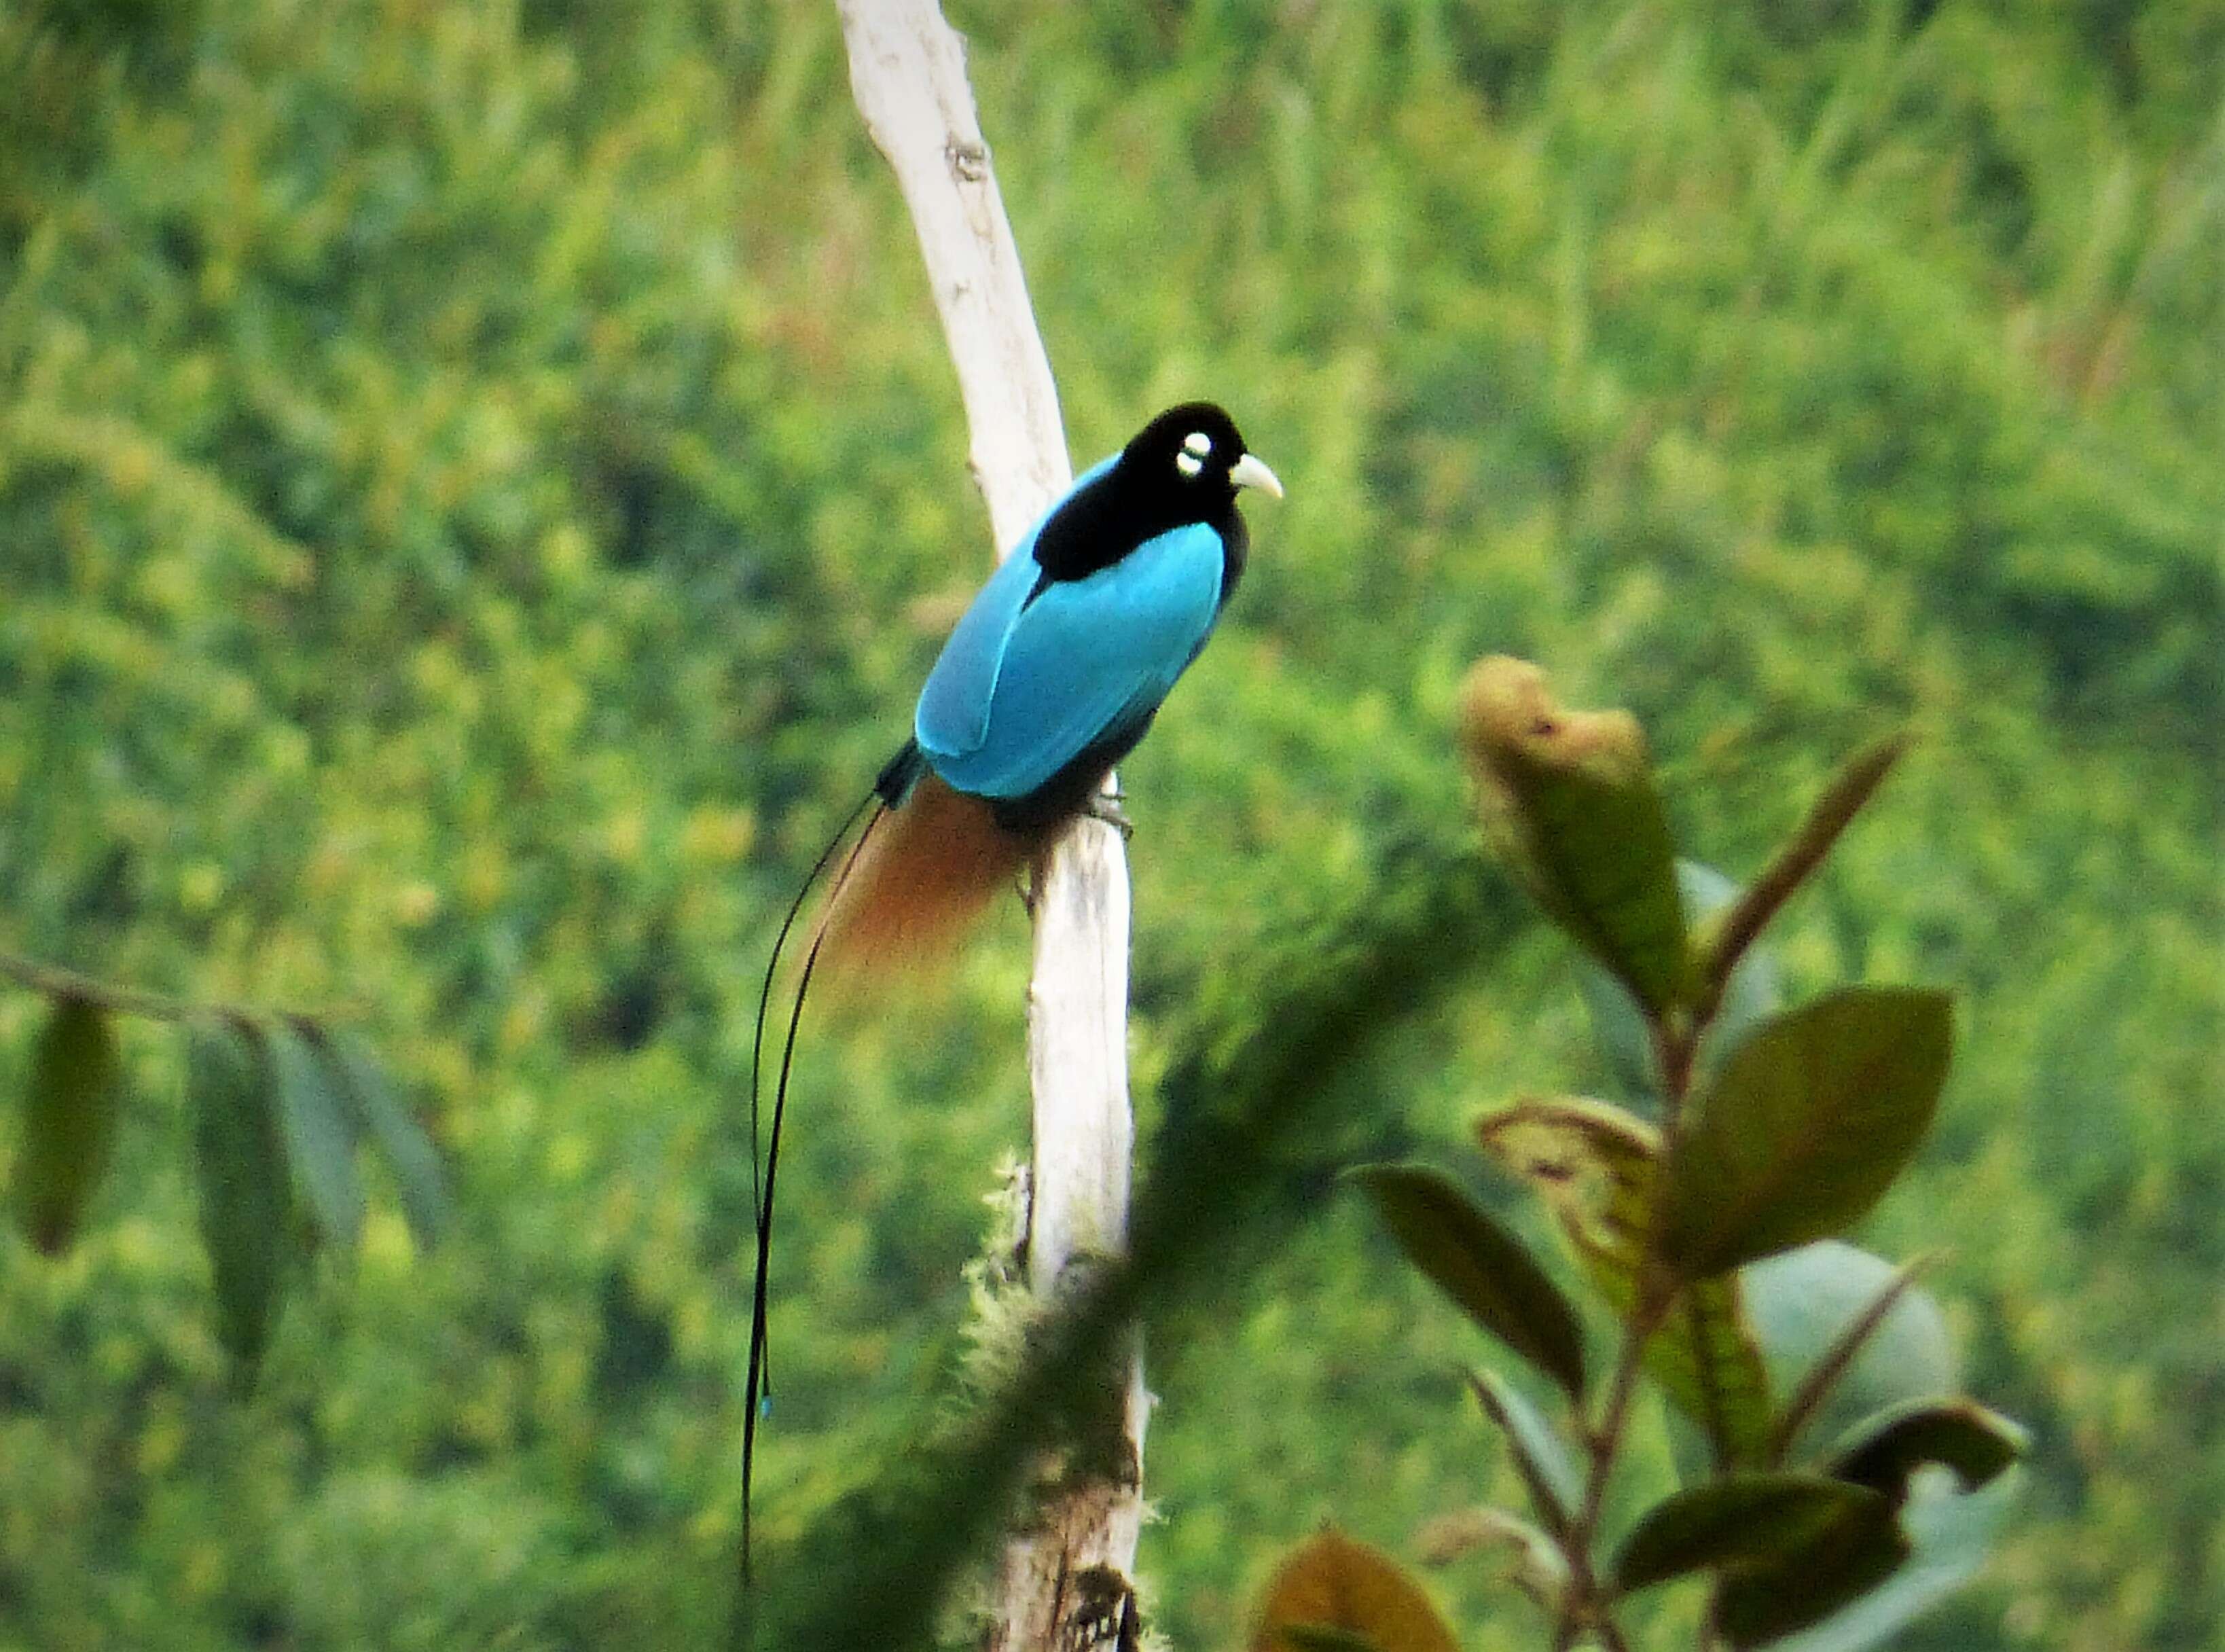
(1188, 463)
(1197, 444)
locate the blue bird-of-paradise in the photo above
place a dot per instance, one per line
(1052, 675)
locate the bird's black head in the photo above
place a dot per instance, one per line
(1185, 467)
(1189, 461)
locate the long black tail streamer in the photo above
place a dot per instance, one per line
(759, 1387)
(764, 996)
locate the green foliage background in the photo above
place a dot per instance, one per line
(480, 486)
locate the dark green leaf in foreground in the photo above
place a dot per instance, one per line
(1568, 798)
(1332, 1586)
(1541, 1458)
(1484, 1269)
(1594, 1167)
(1949, 1534)
(1961, 1434)
(246, 1205)
(1808, 1124)
(70, 1110)
(1743, 1520)
(379, 1115)
(318, 1134)
(1855, 1553)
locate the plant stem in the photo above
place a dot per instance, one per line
(1585, 1605)
(57, 983)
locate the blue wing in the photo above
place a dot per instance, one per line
(1023, 688)
(953, 707)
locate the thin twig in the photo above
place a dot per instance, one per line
(1656, 1297)
(56, 981)
(1584, 1606)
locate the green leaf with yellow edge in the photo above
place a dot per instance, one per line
(1595, 1166)
(318, 1134)
(1484, 1269)
(1741, 1519)
(71, 1105)
(1331, 1585)
(1569, 798)
(1808, 1122)
(246, 1204)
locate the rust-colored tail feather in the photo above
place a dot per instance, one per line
(918, 873)
(929, 867)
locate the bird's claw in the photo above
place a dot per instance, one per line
(1106, 806)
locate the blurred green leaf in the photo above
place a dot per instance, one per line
(1977, 1444)
(1808, 1122)
(1331, 1586)
(1705, 1358)
(1536, 1566)
(1837, 1359)
(1948, 1535)
(376, 1113)
(1484, 1269)
(319, 1141)
(1568, 798)
(1593, 1166)
(246, 1204)
(1856, 1550)
(1739, 1521)
(71, 1105)
(1540, 1456)
(1726, 940)
(1803, 1303)
(1620, 1028)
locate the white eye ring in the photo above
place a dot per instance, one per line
(1188, 463)
(1198, 444)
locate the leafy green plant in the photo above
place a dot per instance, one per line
(279, 1102)
(1834, 1485)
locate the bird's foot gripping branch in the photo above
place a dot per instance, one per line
(1831, 1482)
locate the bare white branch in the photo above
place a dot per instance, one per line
(1069, 1571)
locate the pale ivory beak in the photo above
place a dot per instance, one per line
(1249, 471)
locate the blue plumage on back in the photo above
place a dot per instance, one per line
(1059, 665)
(1023, 688)
(953, 707)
